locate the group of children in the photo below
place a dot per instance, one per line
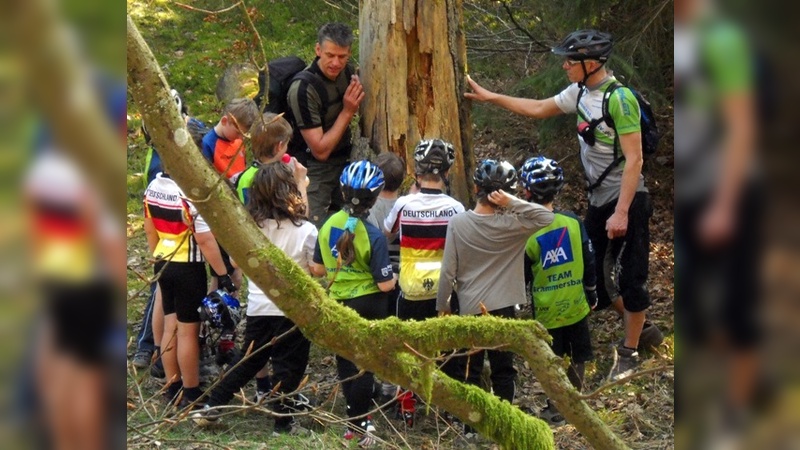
(416, 257)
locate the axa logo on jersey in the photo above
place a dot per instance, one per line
(556, 248)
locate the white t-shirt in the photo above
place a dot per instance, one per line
(298, 243)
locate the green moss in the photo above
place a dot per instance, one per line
(521, 430)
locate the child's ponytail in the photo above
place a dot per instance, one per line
(347, 251)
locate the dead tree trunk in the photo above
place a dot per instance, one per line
(394, 350)
(413, 62)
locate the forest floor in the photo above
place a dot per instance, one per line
(641, 411)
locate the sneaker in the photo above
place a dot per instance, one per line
(349, 434)
(142, 359)
(627, 360)
(301, 403)
(261, 396)
(368, 439)
(291, 429)
(157, 372)
(206, 415)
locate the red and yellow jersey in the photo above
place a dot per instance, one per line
(62, 211)
(175, 220)
(421, 220)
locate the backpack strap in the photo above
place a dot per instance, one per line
(319, 85)
(618, 156)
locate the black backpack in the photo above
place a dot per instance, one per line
(647, 123)
(282, 73)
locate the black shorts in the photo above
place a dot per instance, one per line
(416, 309)
(370, 306)
(574, 341)
(719, 289)
(183, 287)
(630, 254)
(82, 318)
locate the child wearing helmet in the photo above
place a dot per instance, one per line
(420, 220)
(278, 207)
(560, 267)
(483, 264)
(354, 255)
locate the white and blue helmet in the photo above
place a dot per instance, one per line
(361, 180)
(542, 176)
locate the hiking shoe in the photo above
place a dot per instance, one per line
(651, 336)
(349, 434)
(626, 362)
(142, 359)
(206, 415)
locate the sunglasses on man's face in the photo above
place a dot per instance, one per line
(571, 62)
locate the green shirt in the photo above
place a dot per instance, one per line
(556, 253)
(244, 180)
(370, 266)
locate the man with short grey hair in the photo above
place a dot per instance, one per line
(322, 107)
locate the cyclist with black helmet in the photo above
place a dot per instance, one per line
(354, 255)
(559, 264)
(483, 264)
(619, 203)
(420, 220)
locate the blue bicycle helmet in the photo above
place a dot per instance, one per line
(433, 156)
(491, 175)
(221, 310)
(361, 180)
(585, 44)
(543, 177)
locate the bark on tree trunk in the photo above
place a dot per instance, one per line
(412, 64)
(381, 347)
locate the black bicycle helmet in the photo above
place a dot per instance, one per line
(585, 44)
(433, 156)
(492, 175)
(361, 180)
(543, 177)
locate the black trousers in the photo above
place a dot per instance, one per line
(359, 392)
(468, 368)
(289, 357)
